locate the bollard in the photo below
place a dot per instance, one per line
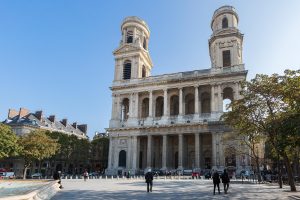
(165, 178)
(112, 177)
(105, 177)
(118, 177)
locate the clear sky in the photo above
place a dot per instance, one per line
(56, 55)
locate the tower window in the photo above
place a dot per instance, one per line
(226, 58)
(129, 38)
(145, 44)
(143, 71)
(225, 22)
(127, 70)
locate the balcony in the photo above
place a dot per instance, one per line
(166, 120)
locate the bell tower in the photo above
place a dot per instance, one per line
(226, 41)
(132, 58)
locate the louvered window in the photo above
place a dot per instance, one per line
(127, 70)
(226, 58)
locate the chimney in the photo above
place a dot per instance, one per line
(39, 114)
(74, 125)
(83, 128)
(12, 113)
(23, 112)
(52, 118)
(64, 122)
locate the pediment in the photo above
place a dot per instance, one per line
(126, 49)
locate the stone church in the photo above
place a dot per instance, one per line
(172, 121)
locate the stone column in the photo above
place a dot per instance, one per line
(236, 91)
(149, 151)
(221, 150)
(136, 105)
(212, 101)
(129, 153)
(220, 99)
(134, 152)
(116, 152)
(197, 151)
(196, 99)
(150, 103)
(164, 152)
(214, 152)
(180, 102)
(180, 149)
(131, 106)
(166, 102)
(110, 156)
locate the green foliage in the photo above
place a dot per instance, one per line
(8, 142)
(37, 146)
(270, 109)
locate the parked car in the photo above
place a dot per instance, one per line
(207, 175)
(36, 176)
(195, 175)
(187, 172)
(7, 175)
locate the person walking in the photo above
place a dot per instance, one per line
(149, 180)
(216, 181)
(225, 180)
(85, 175)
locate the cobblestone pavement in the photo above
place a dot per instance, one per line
(167, 189)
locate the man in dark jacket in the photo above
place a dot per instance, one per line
(216, 181)
(225, 180)
(149, 180)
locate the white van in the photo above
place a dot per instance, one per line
(7, 175)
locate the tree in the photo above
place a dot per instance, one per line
(99, 153)
(8, 142)
(270, 108)
(36, 146)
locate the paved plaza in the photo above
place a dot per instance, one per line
(167, 189)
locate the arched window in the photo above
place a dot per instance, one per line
(205, 102)
(225, 22)
(227, 99)
(129, 37)
(143, 71)
(127, 70)
(159, 107)
(189, 104)
(125, 109)
(145, 43)
(122, 158)
(145, 108)
(174, 105)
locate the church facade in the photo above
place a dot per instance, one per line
(172, 121)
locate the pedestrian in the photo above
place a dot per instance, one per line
(85, 175)
(149, 180)
(225, 180)
(216, 181)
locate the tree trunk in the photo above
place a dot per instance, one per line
(258, 170)
(280, 175)
(290, 172)
(25, 172)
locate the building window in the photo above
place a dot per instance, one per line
(127, 70)
(125, 109)
(129, 37)
(225, 22)
(159, 108)
(189, 104)
(226, 58)
(143, 72)
(145, 108)
(174, 105)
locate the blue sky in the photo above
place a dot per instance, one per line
(56, 55)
